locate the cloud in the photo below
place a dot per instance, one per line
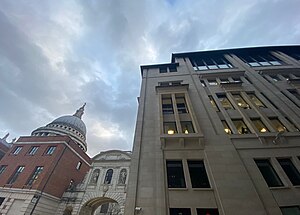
(56, 55)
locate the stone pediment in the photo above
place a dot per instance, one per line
(113, 155)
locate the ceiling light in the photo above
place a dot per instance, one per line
(170, 131)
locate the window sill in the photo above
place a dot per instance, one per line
(279, 188)
(202, 189)
(178, 189)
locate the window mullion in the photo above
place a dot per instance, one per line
(177, 119)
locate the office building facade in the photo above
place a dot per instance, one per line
(217, 132)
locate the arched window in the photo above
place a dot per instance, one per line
(108, 176)
(95, 176)
(122, 176)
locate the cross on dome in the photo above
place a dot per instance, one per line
(80, 111)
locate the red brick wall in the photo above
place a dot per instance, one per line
(59, 168)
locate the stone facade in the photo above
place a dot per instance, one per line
(217, 132)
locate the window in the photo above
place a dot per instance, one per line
(260, 60)
(175, 174)
(173, 68)
(17, 150)
(207, 63)
(268, 173)
(108, 176)
(275, 78)
(95, 176)
(167, 106)
(1, 200)
(33, 150)
(202, 83)
(290, 170)
(78, 165)
(226, 127)
(35, 175)
(212, 82)
(240, 101)
(207, 211)
(292, 124)
(180, 211)
(295, 93)
(255, 100)
(170, 68)
(225, 102)
(122, 176)
(104, 208)
(181, 104)
(213, 103)
(14, 177)
(163, 70)
(241, 126)
(50, 150)
(2, 168)
(290, 210)
(278, 125)
(187, 127)
(170, 128)
(198, 174)
(259, 125)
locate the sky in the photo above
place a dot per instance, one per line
(55, 55)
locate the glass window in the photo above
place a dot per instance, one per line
(50, 150)
(163, 70)
(198, 174)
(275, 63)
(33, 150)
(255, 100)
(38, 170)
(275, 77)
(173, 68)
(180, 211)
(225, 102)
(175, 174)
(170, 128)
(187, 127)
(2, 168)
(108, 176)
(240, 101)
(212, 82)
(277, 124)
(290, 170)
(202, 83)
(78, 165)
(226, 127)
(202, 68)
(17, 150)
(268, 173)
(213, 103)
(259, 125)
(241, 126)
(207, 211)
(167, 106)
(14, 177)
(291, 210)
(104, 208)
(181, 104)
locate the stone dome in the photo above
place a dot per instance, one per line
(72, 121)
(70, 125)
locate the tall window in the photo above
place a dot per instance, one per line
(268, 173)
(213, 103)
(180, 211)
(167, 106)
(226, 127)
(277, 124)
(241, 126)
(198, 174)
(108, 176)
(33, 150)
(175, 174)
(181, 104)
(14, 177)
(2, 168)
(50, 150)
(78, 165)
(170, 128)
(290, 170)
(290, 210)
(259, 125)
(207, 211)
(240, 101)
(255, 100)
(38, 170)
(187, 127)
(17, 150)
(225, 102)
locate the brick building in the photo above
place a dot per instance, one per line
(217, 132)
(38, 169)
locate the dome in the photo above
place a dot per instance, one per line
(72, 121)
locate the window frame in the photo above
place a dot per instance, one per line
(294, 179)
(34, 176)
(33, 150)
(201, 180)
(17, 150)
(12, 179)
(50, 150)
(172, 181)
(273, 172)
